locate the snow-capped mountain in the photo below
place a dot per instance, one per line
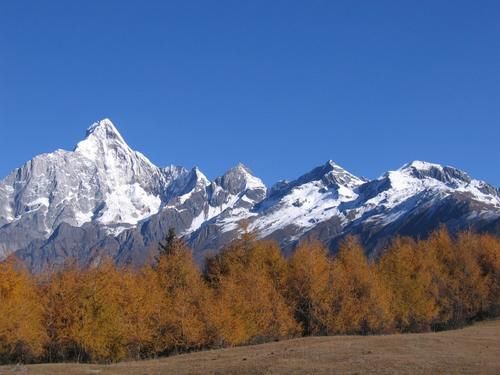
(104, 199)
(301, 204)
(101, 181)
(414, 200)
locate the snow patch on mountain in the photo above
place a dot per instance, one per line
(210, 212)
(128, 204)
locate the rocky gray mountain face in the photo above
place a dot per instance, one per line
(105, 200)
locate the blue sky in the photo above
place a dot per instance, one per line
(281, 86)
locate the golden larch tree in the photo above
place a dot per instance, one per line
(22, 334)
(405, 272)
(361, 304)
(309, 287)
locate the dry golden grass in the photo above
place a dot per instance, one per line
(472, 350)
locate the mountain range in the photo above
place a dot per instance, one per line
(104, 199)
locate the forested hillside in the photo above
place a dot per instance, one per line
(247, 293)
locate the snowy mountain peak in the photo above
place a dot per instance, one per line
(299, 205)
(189, 183)
(336, 167)
(105, 132)
(329, 175)
(445, 174)
(102, 137)
(104, 128)
(240, 165)
(332, 164)
(201, 179)
(102, 181)
(240, 178)
(333, 174)
(421, 165)
(240, 169)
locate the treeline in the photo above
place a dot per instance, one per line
(248, 293)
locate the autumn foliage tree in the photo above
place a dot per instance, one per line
(361, 304)
(248, 278)
(487, 251)
(247, 293)
(183, 320)
(405, 270)
(22, 333)
(84, 316)
(460, 286)
(309, 287)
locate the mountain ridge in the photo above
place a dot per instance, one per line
(105, 199)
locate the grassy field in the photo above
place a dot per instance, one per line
(472, 350)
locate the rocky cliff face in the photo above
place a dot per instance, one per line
(104, 199)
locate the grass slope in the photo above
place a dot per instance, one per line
(472, 350)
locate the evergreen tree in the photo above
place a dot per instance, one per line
(172, 243)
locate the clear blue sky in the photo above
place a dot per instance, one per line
(281, 86)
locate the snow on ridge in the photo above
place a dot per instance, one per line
(233, 201)
(404, 185)
(101, 138)
(200, 177)
(252, 182)
(309, 203)
(209, 212)
(105, 128)
(421, 165)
